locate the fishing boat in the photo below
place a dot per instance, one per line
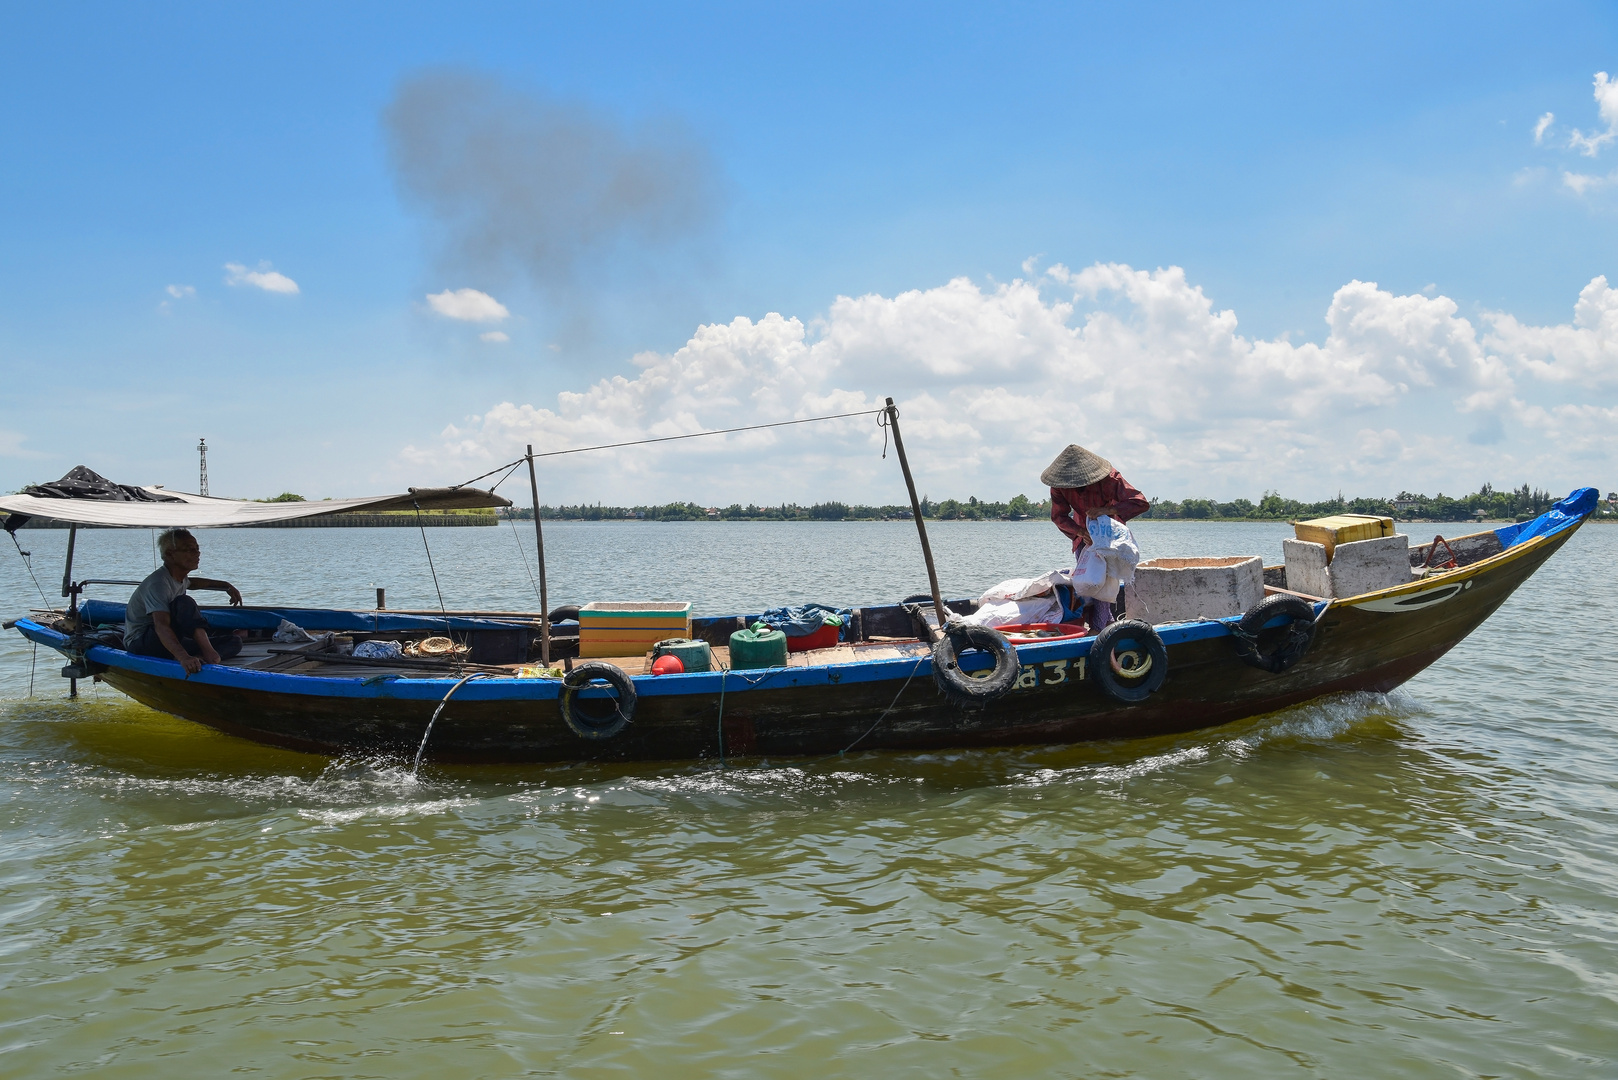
(900, 676)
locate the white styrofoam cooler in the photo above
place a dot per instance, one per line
(1181, 590)
(1352, 569)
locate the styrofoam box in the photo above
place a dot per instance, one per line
(1181, 590)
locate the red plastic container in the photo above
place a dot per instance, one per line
(1030, 633)
(824, 638)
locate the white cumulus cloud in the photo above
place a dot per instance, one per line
(1580, 183)
(1584, 352)
(263, 278)
(495, 337)
(1606, 95)
(181, 292)
(468, 305)
(11, 445)
(1401, 391)
(1539, 129)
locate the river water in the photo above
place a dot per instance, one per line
(1423, 885)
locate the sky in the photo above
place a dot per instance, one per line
(1234, 249)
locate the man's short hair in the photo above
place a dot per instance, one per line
(168, 538)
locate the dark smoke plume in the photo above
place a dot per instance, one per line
(552, 190)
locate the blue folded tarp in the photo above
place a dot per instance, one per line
(1577, 505)
(806, 619)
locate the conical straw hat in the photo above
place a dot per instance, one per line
(1075, 467)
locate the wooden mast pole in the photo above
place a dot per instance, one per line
(915, 509)
(539, 542)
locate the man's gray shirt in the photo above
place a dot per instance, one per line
(154, 594)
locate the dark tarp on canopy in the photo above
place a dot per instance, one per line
(82, 482)
(84, 497)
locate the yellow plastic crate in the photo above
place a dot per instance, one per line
(1342, 529)
(628, 629)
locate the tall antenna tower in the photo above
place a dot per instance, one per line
(202, 484)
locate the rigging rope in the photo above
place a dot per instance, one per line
(28, 561)
(524, 553)
(504, 478)
(676, 438)
(441, 609)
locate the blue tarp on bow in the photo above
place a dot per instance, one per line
(1577, 505)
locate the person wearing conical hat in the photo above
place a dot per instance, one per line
(1085, 486)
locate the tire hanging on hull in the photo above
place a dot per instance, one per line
(970, 691)
(1283, 649)
(598, 726)
(1129, 661)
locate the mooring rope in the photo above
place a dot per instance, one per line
(722, 673)
(919, 661)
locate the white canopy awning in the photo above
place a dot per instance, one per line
(201, 512)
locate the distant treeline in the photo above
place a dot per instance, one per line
(1518, 505)
(1521, 504)
(972, 509)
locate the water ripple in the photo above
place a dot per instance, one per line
(1423, 881)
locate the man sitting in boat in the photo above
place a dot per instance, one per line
(1085, 486)
(161, 620)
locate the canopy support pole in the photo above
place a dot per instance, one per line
(539, 542)
(67, 570)
(915, 509)
(69, 590)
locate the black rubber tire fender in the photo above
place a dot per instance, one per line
(586, 725)
(1285, 648)
(919, 598)
(1129, 661)
(970, 691)
(566, 613)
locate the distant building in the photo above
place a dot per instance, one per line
(713, 511)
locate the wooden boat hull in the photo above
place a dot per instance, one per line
(1373, 642)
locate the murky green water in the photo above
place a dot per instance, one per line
(1419, 886)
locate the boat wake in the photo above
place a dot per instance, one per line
(1315, 723)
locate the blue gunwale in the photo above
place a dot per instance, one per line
(496, 688)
